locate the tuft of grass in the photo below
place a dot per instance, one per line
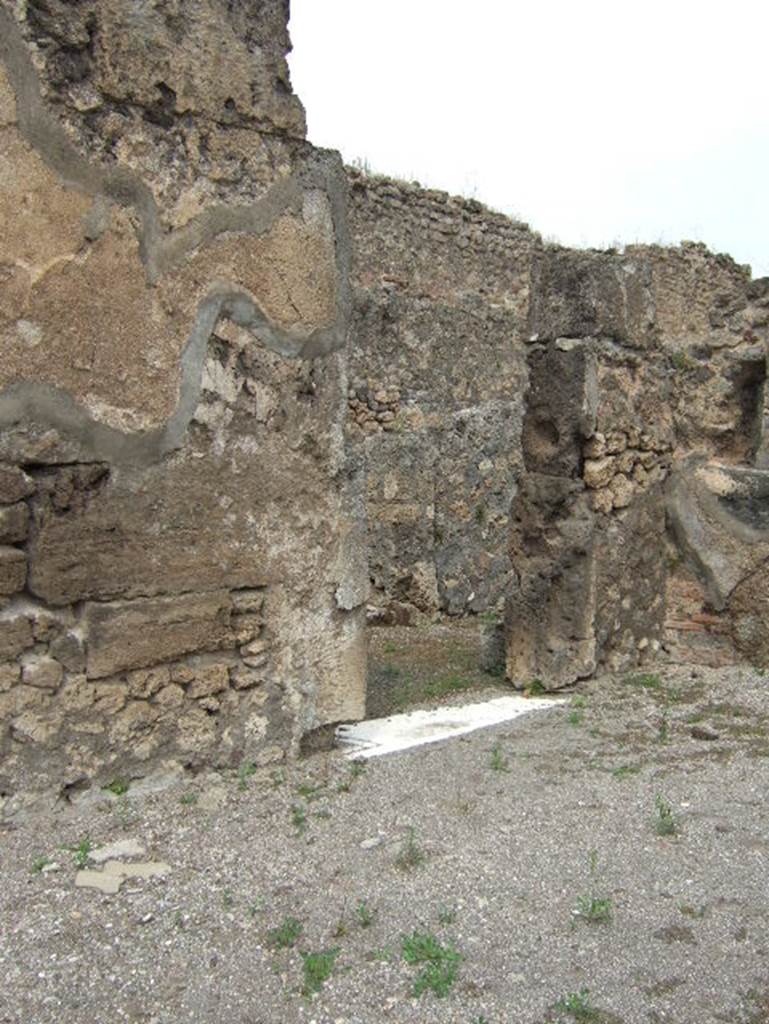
(681, 361)
(310, 792)
(646, 680)
(577, 1005)
(447, 915)
(189, 799)
(439, 963)
(385, 954)
(256, 906)
(118, 787)
(442, 687)
(576, 717)
(625, 771)
(286, 935)
(365, 914)
(665, 823)
(536, 688)
(245, 771)
(299, 818)
(594, 909)
(358, 768)
(39, 863)
(689, 911)
(81, 850)
(663, 730)
(317, 968)
(410, 855)
(498, 760)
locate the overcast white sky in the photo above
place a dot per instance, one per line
(596, 121)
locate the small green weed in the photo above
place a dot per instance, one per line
(689, 911)
(594, 909)
(310, 792)
(39, 863)
(385, 954)
(498, 760)
(665, 822)
(278, 777)
(317, 968)
(299, 818)
(188, 799)
(439, 963)
(357, 768)
(625, 771)
(286, 935)
(576, 717)
(447, 915)
(228, 900)
(436, 688)
(577, 1005)
(81, 850)
(579, 701)
(681, 361)
(410, 855)
(246, 770)
(365, 914)
(663, 730)
(536, 688)
(118, 787)
(646, 680)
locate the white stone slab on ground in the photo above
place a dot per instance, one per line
(378, 736)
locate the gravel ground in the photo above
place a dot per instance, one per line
(533, 850)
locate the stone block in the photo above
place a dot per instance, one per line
(15, 485)
(14, 523)
(135, 634)
(209, 679)
(15, 637)
(9, 676)
(145, 682)
(13, 570)
(69, 650)
(43, 672)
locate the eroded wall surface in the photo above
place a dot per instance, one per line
(437, 382)
(181, 562)
(522, 410)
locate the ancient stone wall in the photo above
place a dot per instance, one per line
(181, 562)
(520, 408)
(437, 382)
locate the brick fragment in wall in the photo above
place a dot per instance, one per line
(134, 634)
(13, 570)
